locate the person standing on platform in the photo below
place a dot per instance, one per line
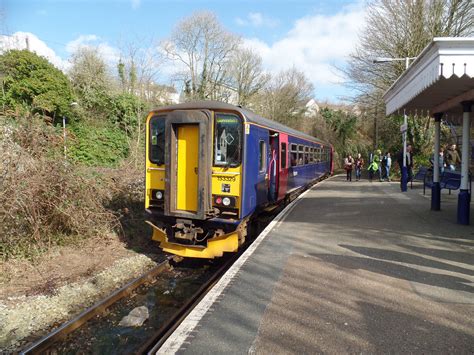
(359, 164)
(349, 165)
(373, 167)
(452, 158)
(378, 161)
(442, 161)
(409, 161)
(388, 165)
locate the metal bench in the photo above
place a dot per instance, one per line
(420, 175)
(448, 180)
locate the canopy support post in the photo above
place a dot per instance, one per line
(464, 198)
(435, 189)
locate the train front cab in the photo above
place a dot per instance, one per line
(193, 182)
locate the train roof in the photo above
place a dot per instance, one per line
(250, 116)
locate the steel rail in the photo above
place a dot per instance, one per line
(46, 342)
(163, 333)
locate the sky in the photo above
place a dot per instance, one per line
(314, 36)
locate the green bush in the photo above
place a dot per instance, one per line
(95, 145)
(126, 110)
(32, 84)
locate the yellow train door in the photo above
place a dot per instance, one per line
(187, 167)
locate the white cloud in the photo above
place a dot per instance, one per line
(136, 4)
(256, 19)
(19, 41)
(314, 45)
(109, 53)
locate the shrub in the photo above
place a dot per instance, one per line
(95, 145)
(32, 84)
(45, 200)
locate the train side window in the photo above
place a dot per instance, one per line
(262, 159)
(294, 155)
(227, 140)
(306, 155)
(300, 154)
(157, 140)
(311, 154)
(283, 155)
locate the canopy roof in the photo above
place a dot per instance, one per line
(439, 79)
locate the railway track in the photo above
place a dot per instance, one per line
(46, 342)
(157, 335)
(58, 340)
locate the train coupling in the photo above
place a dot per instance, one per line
(185, 229)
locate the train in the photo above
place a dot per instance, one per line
(212, 167)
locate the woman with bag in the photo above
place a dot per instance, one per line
(348, 166)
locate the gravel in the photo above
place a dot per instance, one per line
(32, 315)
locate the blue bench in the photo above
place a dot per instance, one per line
(448, 180)
(420, 175)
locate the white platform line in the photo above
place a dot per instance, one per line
(179, 336)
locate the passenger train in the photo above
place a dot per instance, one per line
(211, 167)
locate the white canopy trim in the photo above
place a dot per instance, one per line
(443, 72)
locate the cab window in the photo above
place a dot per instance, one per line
(157, 140)
(227, 140)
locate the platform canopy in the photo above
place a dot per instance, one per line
(438, 80)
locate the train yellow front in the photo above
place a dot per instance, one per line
(211, 167)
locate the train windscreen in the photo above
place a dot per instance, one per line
(157, 140)
(227, 140)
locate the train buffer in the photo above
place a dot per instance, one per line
(349, 268)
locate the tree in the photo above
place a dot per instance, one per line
(400, 29)
(284, 98)
(31, 83)
(203, 48)
(247, 76)
(92, 81)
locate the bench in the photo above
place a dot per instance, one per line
(420, 175)
(448, 180)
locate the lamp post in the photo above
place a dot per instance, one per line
(404, 127)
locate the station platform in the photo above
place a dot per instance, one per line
(351, 267)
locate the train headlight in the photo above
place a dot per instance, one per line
(219, 200)
(159, 195)
(226, 201)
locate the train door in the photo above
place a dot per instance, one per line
(273, 166)
(188, 163)
(283, 166)
(187, 167)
